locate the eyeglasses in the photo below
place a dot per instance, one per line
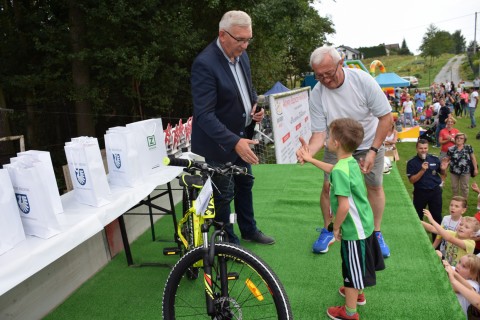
(330, 75)
(239, 40)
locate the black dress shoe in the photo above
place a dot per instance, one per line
(259, 237)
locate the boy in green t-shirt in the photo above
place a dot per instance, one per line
(353, 216)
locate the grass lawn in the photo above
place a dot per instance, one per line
(414, 284)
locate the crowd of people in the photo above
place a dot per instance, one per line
(461, 101)
(351, 120)
(455, 237)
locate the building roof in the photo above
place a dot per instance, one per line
(392, 46)
(349, 49)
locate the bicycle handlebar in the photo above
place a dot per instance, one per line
(172, 161)
(204, 167)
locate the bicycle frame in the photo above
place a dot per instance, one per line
(198, 220)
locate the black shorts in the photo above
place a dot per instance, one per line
(360, 260)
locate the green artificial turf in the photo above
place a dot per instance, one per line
(286, 197)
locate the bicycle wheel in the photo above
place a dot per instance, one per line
(188, 230)
(253, 291)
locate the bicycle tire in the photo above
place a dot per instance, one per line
(186, 299)
(187, 230)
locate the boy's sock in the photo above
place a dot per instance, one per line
(360, 292)
(350, 311)
(330, 227)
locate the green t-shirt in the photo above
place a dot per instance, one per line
(346, 180)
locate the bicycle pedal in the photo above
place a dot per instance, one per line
(171, 251)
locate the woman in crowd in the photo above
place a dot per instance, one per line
(462, 159)
(391, 139)
(390, 143)
(446, 136)
(407, 110)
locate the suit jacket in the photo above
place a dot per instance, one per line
(218, 111)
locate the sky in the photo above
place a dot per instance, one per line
(367, 23)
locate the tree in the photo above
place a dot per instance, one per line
(472, 45)
(428, 46)
(375, 51)
(80, 70)
(288, 32)
(459, 42)
(404, 49)
(436, 42)
(444, 41)
(84, 66)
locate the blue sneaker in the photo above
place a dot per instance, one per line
(383, 245)
(325, 239)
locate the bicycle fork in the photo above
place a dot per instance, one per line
(222, 276)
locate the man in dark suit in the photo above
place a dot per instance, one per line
(224, 116)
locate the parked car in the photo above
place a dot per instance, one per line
(413, 81)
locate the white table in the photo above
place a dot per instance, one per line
(78, 223)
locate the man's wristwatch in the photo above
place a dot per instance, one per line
(374, 149)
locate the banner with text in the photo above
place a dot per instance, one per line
(290, 120)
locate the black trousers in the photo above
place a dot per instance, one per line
(423, 198)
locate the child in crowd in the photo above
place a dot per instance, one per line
(353, 216)
(467, 275)
(459, 243)
(428, 114)
(458, 206)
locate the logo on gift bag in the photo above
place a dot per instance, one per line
(117, 160)
(22, 201)
(80, 174)
(151, 141)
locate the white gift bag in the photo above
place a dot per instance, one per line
(90, 185)
(122, 157)
(11, 228)
(38, 216)
(48, 176)
(151, 146)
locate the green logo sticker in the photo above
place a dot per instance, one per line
(151, 141)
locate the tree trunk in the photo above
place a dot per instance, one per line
(80, 72)
(31, 141)
(7, 148)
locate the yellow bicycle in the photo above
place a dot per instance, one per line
(236, 284)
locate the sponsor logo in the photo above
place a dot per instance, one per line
(151, 141)
(81, 178)
(23, 204)
(116, 160)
